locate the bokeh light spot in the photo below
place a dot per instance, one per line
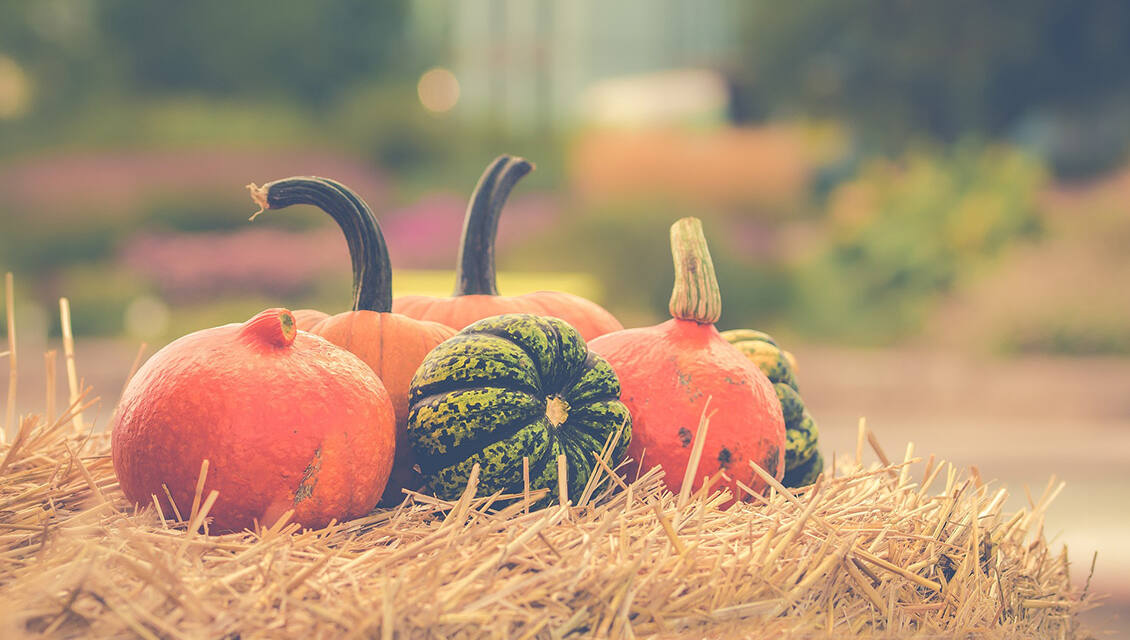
(438, 90)
(15, 89)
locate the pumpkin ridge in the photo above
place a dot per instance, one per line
(435, 462)
(570, 371)
(498, 333)
(436, 465)
(540, 464)
(466, 416)
(426, 382)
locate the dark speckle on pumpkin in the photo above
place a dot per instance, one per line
(685, 436)
(772, 452)
(725, 457)
(309, 477)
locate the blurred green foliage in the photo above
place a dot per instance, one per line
(301, 52)
(903, 232)
(899, 71)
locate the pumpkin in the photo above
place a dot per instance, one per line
(476, 290)
(669, 372)
(285, 419)
(803, 461)
(510, 387)
(391, 343)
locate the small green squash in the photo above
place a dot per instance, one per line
(510, 387)
(803, 461)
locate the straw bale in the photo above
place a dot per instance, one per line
(866, 552)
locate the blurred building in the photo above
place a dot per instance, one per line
(531, 65)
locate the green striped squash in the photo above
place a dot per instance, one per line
(803, 461)
(510, 387)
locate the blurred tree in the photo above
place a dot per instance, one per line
(897, 68)
(308, 53)
(305, 51)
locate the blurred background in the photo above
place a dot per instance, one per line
(929, 203)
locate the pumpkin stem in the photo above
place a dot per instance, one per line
(474, 273)
(557, 410)
(696, 295)
(372, 273)
(275, 327)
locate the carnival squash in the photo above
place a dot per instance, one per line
(803, 461)
(510, 387)
(285, 419)
(476, 291)
(669, 372)
(391, 343)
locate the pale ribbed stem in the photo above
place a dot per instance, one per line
(696, 295)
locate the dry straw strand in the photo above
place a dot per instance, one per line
(13, 369)
(69, 354)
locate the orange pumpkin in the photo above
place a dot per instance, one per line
(476, 290)
(670, 371)
(286, 420)
(393, 345)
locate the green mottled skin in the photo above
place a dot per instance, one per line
(481, 398)
(763, 351)
(803, 461)
(805, 473)
(800, 441)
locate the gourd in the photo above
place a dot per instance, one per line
(285, 419)
(669, 372)
(510, 387)
(803, 461)
(476, 291)
(391, 343)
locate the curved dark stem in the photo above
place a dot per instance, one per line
(372, 273)
(475, 269)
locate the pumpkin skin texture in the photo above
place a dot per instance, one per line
(476, 290)
(393, 345)
(803, 461)
(510, 387)
(669, 371)
(286, 420)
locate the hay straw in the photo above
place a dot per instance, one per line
(69, 354)
(13, 370)
(856, 555)
(865, 553)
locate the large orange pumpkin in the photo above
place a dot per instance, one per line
(670, 371)
(392, 344)
(285, 419)
(476, 289)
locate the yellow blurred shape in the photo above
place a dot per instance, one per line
(438, 90)
(441, 283)
(15, 89)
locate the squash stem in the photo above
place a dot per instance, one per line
(696, 295)
(474, 273)
(372, 273)
(275, 327)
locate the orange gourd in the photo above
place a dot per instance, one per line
(286, 420)
(670, 371)
(393, 345)
(476, 290)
